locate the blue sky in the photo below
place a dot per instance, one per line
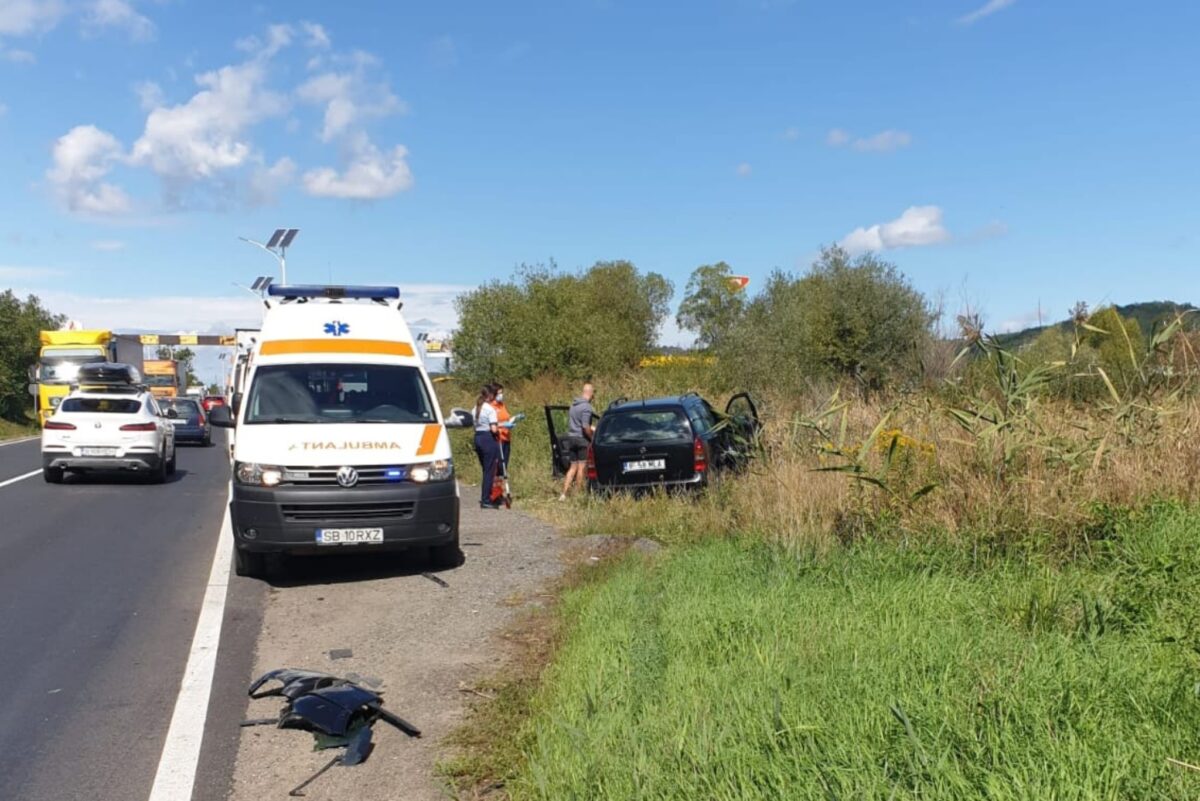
(1004, 153)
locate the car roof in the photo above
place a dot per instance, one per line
(95, 393)
(665, 402)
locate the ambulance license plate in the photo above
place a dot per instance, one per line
(645, 464)
(348, 536)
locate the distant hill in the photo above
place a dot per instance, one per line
(1149, 314)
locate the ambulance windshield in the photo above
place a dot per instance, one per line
(338, 393)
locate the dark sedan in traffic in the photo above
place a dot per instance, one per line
(192, 423)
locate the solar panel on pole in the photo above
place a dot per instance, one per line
(275, 237)
(288, 237)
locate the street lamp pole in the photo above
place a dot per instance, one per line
(280, 240)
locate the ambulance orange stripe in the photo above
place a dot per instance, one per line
(285, 347)
(429, 439)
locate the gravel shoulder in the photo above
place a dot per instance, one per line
(424, 642)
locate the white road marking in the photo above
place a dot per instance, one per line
(14, 480)
(17, 441)
(181, 752)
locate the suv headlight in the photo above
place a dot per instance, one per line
(441, 470)
(261, 475)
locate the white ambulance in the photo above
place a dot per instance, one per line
(340, 442)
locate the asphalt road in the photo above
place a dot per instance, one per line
(101, 582)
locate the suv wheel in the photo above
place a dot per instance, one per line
(171, 464)
(52, 475)
(159, 474)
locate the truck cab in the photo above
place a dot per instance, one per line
(162, 376)
(340, 443)
(62, 354)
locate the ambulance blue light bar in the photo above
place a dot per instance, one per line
(352, 292)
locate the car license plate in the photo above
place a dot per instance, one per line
(179, 422)
(645, 464)
(98, 451)
(348, 536)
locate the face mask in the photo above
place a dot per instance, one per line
(500, 397)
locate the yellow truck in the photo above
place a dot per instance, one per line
(163, 377)
(59, 359)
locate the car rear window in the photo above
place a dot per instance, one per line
(102, 405)
(183, 407)
(643, 425)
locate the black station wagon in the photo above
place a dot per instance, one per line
(675, 442)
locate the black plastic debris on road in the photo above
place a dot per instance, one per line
(341, 653)
(435, 579)
(337, 711)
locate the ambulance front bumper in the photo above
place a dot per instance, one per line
(291, 519)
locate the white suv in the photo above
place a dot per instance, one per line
(109, 428)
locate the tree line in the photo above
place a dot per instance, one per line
(853, 319)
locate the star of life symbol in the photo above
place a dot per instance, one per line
(337, 328)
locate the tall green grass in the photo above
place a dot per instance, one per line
(737, 670)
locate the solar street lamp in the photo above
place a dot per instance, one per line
(277, 246)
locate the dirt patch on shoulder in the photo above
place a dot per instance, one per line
(427, 644)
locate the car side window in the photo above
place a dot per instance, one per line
(701, 422)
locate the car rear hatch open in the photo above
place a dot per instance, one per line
(644, 446)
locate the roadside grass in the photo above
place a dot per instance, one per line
(18, 429)
(487, 752)
(732, 669)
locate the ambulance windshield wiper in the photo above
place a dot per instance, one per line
(294, 420)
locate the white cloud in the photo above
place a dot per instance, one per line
(916, 227)
(744, 169)
(3, 109)
(150, 95)
(108, 245)
(102, 14)
(23, 17)
(837, 138)
(82, 158)
(278, 37)
(791, 134)
(207, 135)
(317, 37)
(267, 182)
(986, 10)
(9, 272)
(882, 142)
(349, 100)
(18, 56)
(370, 174)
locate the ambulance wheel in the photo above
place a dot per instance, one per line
(249, 563)
(448, 555)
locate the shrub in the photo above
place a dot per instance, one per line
(599, 321)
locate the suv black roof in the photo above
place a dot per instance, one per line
(665, 402)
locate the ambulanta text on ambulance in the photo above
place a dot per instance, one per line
(340, 442)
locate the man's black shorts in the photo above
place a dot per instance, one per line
(577, 448)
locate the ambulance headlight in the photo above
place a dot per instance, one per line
(441, 470)
(261, 475)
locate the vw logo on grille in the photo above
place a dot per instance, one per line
(347, 476)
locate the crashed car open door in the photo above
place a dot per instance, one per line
(556, 424)
(741, 438)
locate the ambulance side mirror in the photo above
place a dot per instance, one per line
(220, 417)
(460, 418)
